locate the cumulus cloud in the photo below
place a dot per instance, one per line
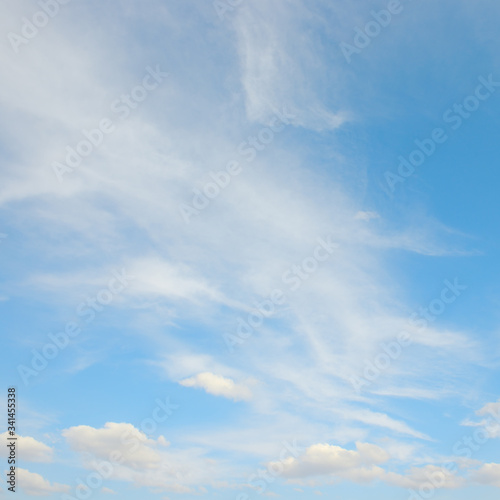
(328, 463)
(36, 485)
(218, 386)
(143, 462)
(134, 447)
(488, 474)
(29, 449)
(326, 459)
(437, 476)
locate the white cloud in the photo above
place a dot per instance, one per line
(29, 449)
(36, 485)
(490, 409)
(488, 474)
(325, 459)
(144, 462)
(326, 464)
(137, 450)
(277, 68)
(438, 477)
(218, 386)
(490, 422)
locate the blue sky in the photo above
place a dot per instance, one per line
(223, 276)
